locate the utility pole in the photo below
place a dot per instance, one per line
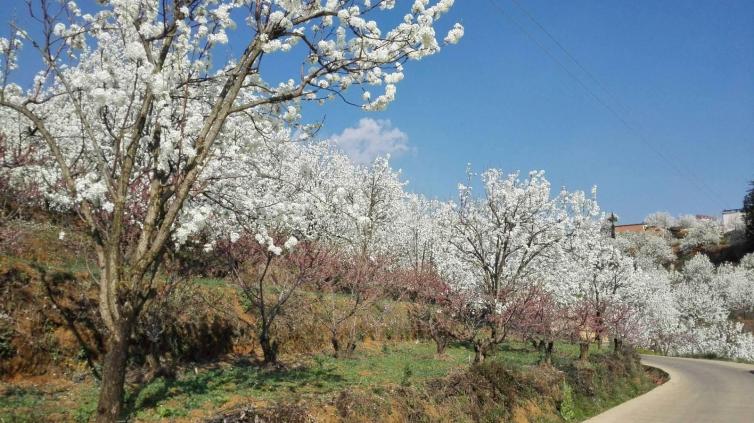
(612, 219)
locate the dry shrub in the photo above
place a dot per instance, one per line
(280, 413)
(300, 332)
(492, 391)
(11, 239)
(355, 406)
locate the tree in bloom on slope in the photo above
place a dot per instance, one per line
(545, 318)
(498, 248)
(704, 234)
(650, 250)
(132, 112)
(265, 222)
(599, 276)
(417, 240)
(360, 211)
(17, 193)
(703, 300)
(660, 220)
(658, 323)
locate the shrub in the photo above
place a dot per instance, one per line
(151, 393)
(567, 405)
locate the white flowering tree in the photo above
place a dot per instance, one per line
(417, 235)
(661, 220)
(265, 224)
(686, 221)
(362, 205)
(418, 241)
(650, 250)
(703, 299)
(658, 322)
(704, 234)
(597, 289)
(132, 113)
(738, 282)
(499, 248)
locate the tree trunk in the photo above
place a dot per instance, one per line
(153, 362)
(110, 403)
(617, 345)
(269, 348)
(547, 349)
(441, 343)
(584, 351)
(335, 346)
(441, 340)
(479, 352)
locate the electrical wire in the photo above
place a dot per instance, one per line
(697, 182)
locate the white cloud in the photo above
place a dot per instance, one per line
(371, 139)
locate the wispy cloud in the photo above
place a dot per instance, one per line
(371, 139)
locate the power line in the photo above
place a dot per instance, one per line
(614, 97)
(698, 183)
(570, 56)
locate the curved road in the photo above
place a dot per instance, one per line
(704, 391)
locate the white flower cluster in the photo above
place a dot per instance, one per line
(454, 35)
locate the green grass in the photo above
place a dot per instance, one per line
(202, 393)
(35, 405)
(21, 405)
(609, 395)
(320, 375)
(211, 282)
(397, 364)
(608, 391)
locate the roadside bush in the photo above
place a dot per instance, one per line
(567, 405)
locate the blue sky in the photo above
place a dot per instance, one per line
(683, 70)
(680, 73)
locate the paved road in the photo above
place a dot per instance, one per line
(703, 391)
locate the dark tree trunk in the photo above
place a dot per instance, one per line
(110, 403)
(153, 362)
(441, 343)
(584, 351)
(547, 349)
(617, 346)
(341, 350)
(269, 347)
(440, 338)
(479, 353)
(335, 346)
